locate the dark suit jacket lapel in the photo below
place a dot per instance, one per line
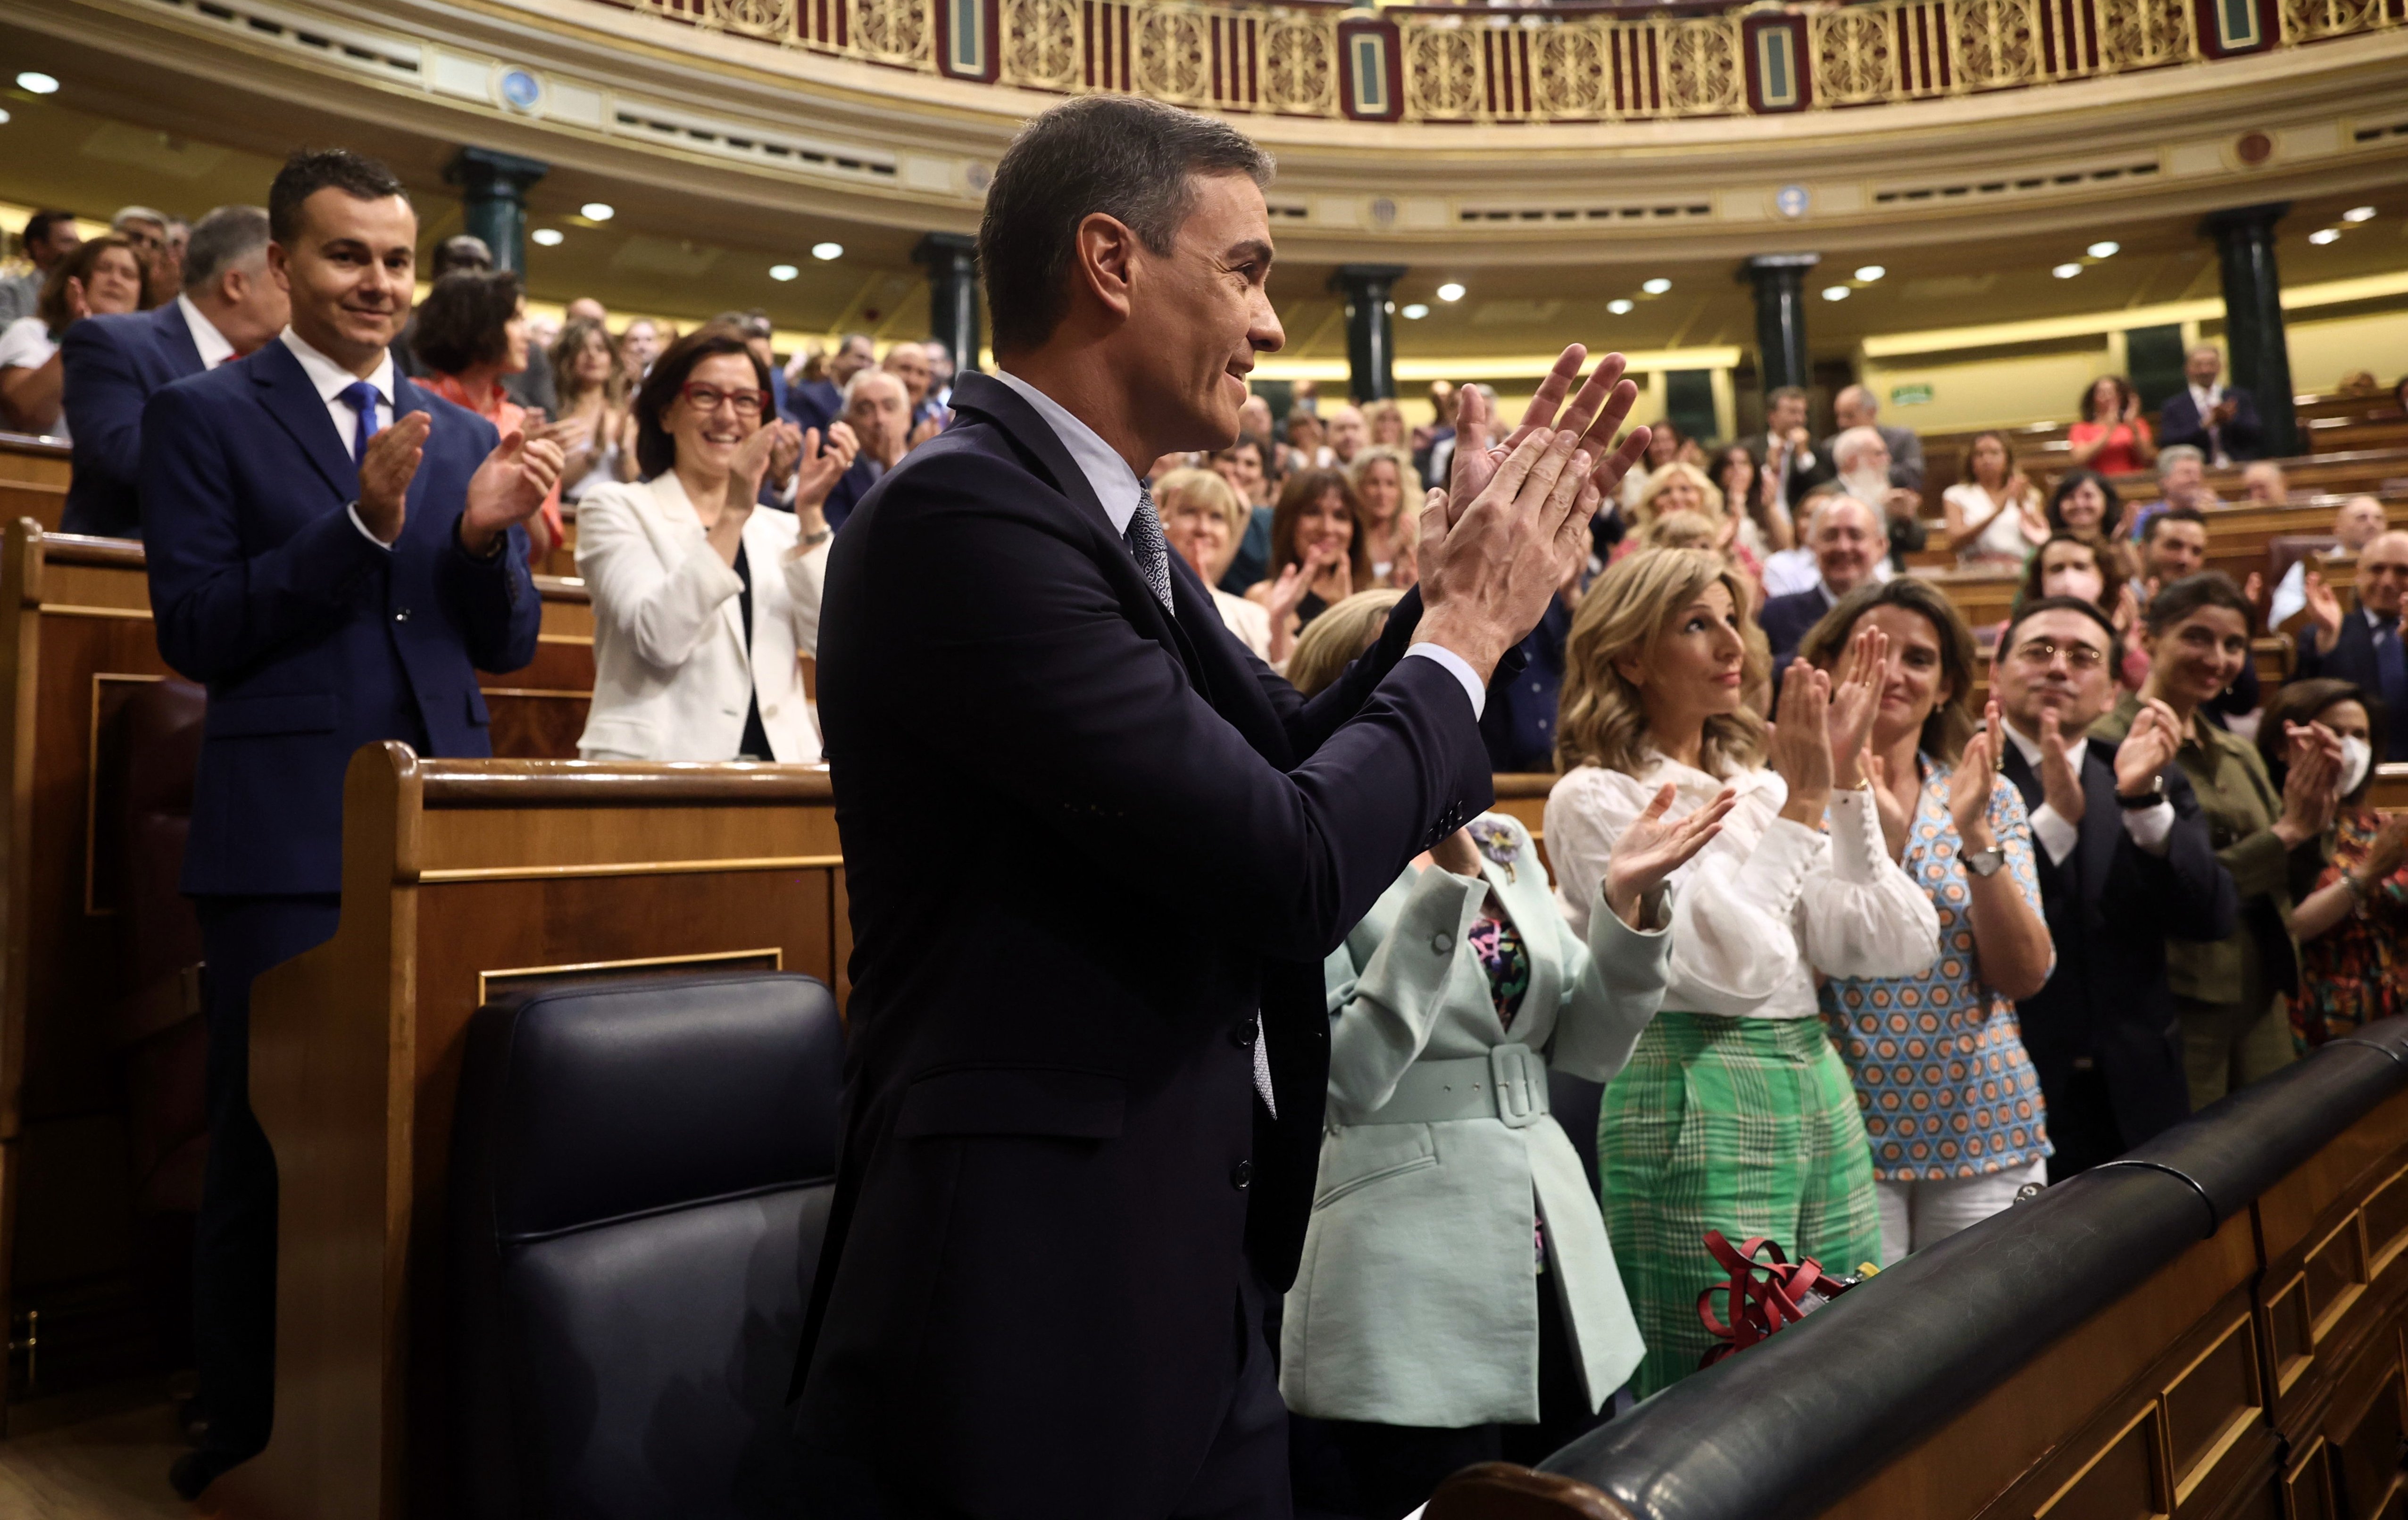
(408, 398)
(1001, 405)
(176, 340)
(285, 390)
(2102, 826)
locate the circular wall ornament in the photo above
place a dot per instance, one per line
(1384, 211)
(520, 90)
(1791, 201)
(2254, 148)
(978, 175)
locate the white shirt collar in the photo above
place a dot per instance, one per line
(332, 378)
(214, 348)
(2029, 749)
(1108, 474)
(2207, 396)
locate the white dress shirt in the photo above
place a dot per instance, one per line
(332, 379)
(215, 349)
(2058, 834)
(1767, 904)
(1116, 486)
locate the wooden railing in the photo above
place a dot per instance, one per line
(1569, 63)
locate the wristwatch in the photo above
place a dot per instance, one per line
(1985, 862)
(2138, 800)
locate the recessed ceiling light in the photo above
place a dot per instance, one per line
(597, 210)
(825, 252)
(1416, 312)
(1621, 306)
(3, 118)
(2325, 234)
(1657, 286)
(2066, 271)
(1450, 292)
(36, 84)
(548, 236)
(2359, 213)
(1837, 292)
(1871, 272)
(782, 272)
(2106, 250)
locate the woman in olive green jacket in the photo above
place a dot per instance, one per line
(2234, 1031)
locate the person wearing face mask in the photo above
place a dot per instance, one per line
(2125, 865)
(2364, 647)
(2234, 1031)
(2067, 565)
(2351, 926)
(703, 605)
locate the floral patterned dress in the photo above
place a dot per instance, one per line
(1939, 1062)
(2351, 974)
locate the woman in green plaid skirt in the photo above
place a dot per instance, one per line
(1734, 1113)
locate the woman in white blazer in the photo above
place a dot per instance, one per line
(704, 604)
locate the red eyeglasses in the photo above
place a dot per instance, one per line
(710, 397)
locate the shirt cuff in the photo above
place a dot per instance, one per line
(1460, 668)
(354, 510)
(2150, 827)
(2055, 836)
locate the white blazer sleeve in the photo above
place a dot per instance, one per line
(1862, 915)
(665, 610)
(806, 588)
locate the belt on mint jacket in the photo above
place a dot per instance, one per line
(1509, 1084)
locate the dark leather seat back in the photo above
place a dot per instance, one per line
(641, 1178)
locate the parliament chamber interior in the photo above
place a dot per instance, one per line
(444, 1071)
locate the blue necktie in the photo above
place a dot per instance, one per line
(1145, 541)
(362, 398)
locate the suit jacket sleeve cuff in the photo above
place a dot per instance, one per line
(1460, 668)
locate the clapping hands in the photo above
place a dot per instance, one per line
(509, 488)
(1651, 849)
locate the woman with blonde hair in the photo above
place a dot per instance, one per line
(1682, 487)
(1202, 521)
(1734, 1112)
(1337, 638)
(1386, 421)
(1388, 489)
(599, 431)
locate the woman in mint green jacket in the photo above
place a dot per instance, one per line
(1457, 1301)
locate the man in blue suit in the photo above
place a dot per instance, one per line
(229, 307)
(2220, 420)
(336, 553)
(1089, 1048)
(2365, 645)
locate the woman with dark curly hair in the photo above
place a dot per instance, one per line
(471, 330)
(2112, 437)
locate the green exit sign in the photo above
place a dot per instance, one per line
(1909, 396)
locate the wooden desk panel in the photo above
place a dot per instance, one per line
(40, 461)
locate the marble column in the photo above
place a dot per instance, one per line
(492, 197)
(1370, 331)
(950, 259)
(2259, 353)
(1780, 281)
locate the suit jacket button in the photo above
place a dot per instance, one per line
(1442, 943)
(401, 614)
(1244, 1035)
(1241, 1175)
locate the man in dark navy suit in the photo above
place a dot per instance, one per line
(336, 553)
(2364, 644)
(2220, 420)
(2125, 864)
(230, 307)
(816, 402)
(1844, 537)
(1097, 851)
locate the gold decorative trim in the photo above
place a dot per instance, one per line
(67, 609)
(630, 868)
(776, 954)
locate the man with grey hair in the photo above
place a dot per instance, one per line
(147, 231)
(878, 410)
(230, 305)
(1854, 408)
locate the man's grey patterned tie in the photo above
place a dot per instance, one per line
(1145, 541)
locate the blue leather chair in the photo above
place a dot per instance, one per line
(641, 1171)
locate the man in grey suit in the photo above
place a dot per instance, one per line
(1856, 407)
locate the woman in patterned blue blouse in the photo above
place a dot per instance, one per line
(1951, 1103)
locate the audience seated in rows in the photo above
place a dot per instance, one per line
(112, 364)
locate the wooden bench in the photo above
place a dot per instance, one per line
(35, 461)
(76, 643)
(463, 881)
